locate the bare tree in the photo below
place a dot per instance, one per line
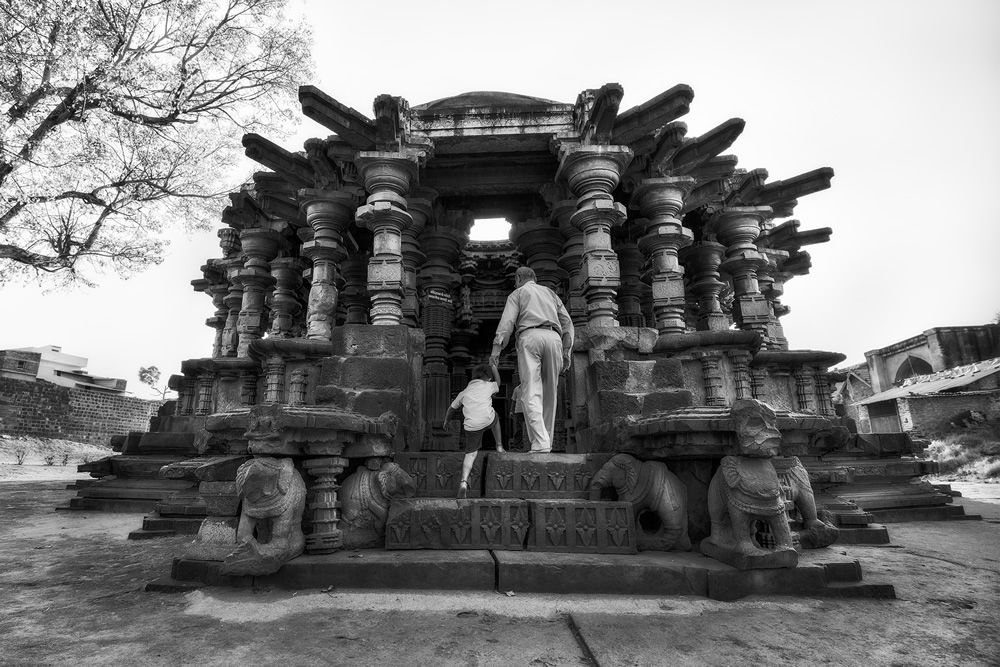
(119, 118)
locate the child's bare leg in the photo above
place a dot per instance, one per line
(496, 436)
(470, 458)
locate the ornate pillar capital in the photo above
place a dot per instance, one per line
(593, 170)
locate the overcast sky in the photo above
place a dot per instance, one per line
(900, 98)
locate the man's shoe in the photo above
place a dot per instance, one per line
(463, 489)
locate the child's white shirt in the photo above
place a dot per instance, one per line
(476, 401)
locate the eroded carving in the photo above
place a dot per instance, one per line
(366, 495)
(648, 486)
(745, 496)
(270, 532)
(814, 530)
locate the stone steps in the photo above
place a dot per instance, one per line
(820, 574)
(156, 525)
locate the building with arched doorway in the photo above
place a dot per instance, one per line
(926, 382)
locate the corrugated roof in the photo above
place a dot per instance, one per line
(953, 378)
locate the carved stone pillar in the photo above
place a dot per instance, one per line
(419, 210)
(712, 375)
(703, 261)
(183, 385)
(738, 228)
(438, 281)
(248, 388)
(297, 387)
(541, 244)
(592, 173)
(274, 379)
(204, 402)
(387, 176)
(804, 391)
(757, 378)
(233, 301)
(660, 201)
(740, 362)
(328, 214)
(772, 287)
(285, 305)
(355, 294)
(824, 403)
(569, 260)
(630, 292)
(260, 245)
(326, 536)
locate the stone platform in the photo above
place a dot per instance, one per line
(821, 573)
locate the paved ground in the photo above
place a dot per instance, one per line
(72, 592)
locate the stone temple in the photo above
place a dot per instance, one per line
(695, 451)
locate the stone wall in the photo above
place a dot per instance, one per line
(931, 414)
(46, 410)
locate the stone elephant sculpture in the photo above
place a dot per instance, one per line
(650, 487)
(365, 496)
(743, 492)
(813, 529)
(273, 498)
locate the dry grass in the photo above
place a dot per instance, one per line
(971, 453)
(28, 450)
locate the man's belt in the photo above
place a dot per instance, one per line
(550, 327)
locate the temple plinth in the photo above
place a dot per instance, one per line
(350, 307)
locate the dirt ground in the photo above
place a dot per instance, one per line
(72, 588)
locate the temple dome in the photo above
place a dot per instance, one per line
(485, 98)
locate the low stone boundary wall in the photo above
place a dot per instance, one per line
(45, 410)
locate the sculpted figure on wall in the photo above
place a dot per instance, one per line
(273, 497)
(366, 495)
(650, 487)
(745, 496)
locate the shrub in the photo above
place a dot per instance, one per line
(971, 452)
(20, 454)
(50, 459)
(65, 458)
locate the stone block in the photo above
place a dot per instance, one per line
(374, 402)
(437, 474)
(207, 572)
(607, 339)
(221, 498)
(616, 404)
(481, 523)
(539, 475)
(366, 373)
(139, 466)
(668, 373)
(220, 468)
(374, 568)
(610, 375)
(582, 526)
(180, 444)
(649, 573)
(662, 401)
(380, 342)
